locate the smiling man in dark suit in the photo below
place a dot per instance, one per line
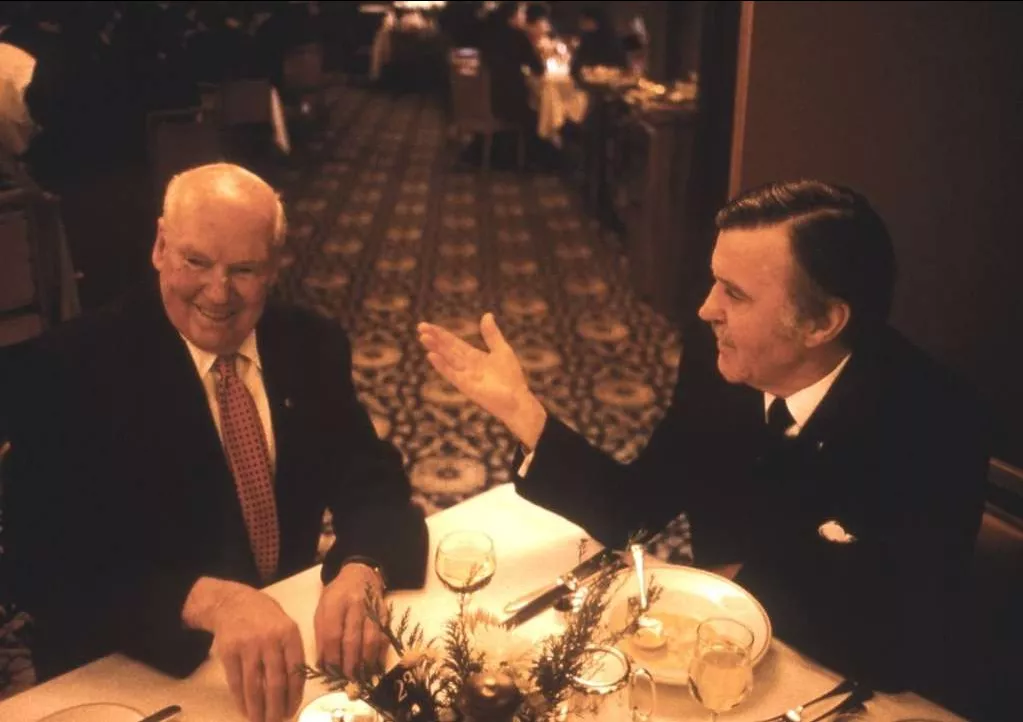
(812, 444)
(177, 453)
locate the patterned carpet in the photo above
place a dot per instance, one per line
(385, 232)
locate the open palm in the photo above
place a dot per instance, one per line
(492, 378)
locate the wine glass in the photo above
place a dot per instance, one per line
(465, 561)
(721, 672)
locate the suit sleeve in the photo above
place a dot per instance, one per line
(612, 500)
(373, 515)
(87, 581)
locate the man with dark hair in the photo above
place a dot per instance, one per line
(815, 446)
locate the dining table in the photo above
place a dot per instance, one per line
(533, 546)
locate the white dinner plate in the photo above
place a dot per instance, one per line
(95, 712)
(689, 596)
(337, 706)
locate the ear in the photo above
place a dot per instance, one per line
(159, 255)
(828, 326)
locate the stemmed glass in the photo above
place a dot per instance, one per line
(465, 561)
(721, 672)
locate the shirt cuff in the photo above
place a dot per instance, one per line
(369, 562)
(526, 461)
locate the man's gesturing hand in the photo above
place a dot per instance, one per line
(493, 379)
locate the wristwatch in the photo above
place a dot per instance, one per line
(369, 562)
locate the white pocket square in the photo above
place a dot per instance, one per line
(834, 532)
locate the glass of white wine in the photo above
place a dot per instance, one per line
(465, 561)
(721, 672)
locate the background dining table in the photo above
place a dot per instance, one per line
(533, 546)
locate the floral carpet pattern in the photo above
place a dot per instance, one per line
(385, 231)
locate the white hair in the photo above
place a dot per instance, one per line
(228, 179)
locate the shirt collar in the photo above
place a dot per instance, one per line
(204, 360)
(803, 403)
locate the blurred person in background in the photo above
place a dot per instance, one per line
(598, 43)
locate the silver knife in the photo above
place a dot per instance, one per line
(529, 605)
(163, 714)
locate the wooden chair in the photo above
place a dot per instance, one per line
(251, 132)
(178, 140)
(471, 109)
(30, 281)
(303, 69)
(305, 82)
(245, 102)
(996, 606)
(983, 640)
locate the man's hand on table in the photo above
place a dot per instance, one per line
(258, 644)
(345, 636)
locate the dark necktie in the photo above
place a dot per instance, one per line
(779, 420)
(249, 458)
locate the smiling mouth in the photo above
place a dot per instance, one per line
(215, 316)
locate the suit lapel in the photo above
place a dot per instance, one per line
(277, 379)
(850, 403)
(177, 387)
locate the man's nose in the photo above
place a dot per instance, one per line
(708, 311)
(218, 288)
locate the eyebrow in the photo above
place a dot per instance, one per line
(731, 286)
(189, 251)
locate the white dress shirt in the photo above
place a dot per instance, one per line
(250, 371)
(801, 405)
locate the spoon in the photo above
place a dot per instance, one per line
(650, 634)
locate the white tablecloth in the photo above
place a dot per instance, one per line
(533, 546)
(556, 99)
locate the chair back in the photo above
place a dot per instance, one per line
(989, 637)
(470, 91)
(303, 68)
(29, 264)
(179, 140)
(245, 102)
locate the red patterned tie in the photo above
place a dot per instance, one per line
(249, 459)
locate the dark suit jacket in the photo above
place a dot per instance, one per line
(601, 47)
(896, 453)
(119, 496)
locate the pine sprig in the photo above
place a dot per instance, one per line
(460, 660)
(562, 657)
(443, 673)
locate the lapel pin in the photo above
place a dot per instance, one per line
(820, 446)
(834, 532)
(287, 403)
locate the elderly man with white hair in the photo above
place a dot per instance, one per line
(175, 452)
